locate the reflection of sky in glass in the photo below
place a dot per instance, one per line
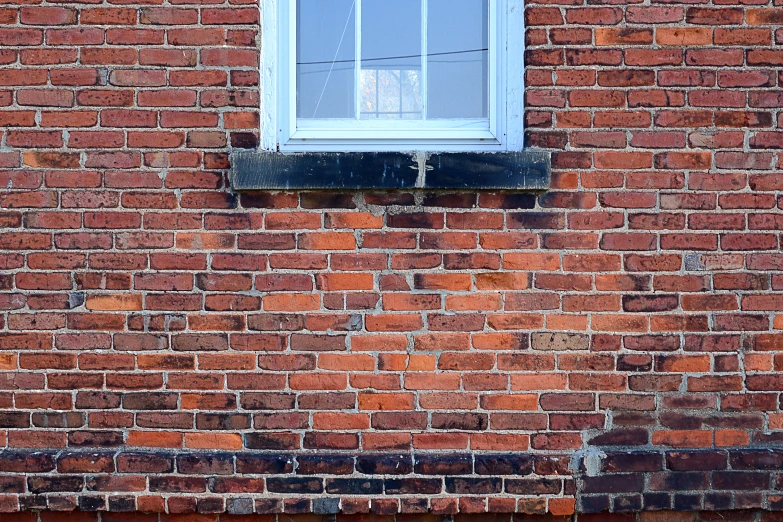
(391, 74)
(325, 48)
(457, 67)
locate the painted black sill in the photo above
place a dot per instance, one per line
(524, 170)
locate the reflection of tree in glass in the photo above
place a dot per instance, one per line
(391, 93)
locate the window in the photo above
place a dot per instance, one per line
(392, 75)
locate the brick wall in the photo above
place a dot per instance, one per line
(169, 345)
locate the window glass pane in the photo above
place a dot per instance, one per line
(390, 83)
(325, 58)
(457, 59)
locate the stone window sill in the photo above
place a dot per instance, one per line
(525, 170)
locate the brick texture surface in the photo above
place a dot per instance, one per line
(168, 345)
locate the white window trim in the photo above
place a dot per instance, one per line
(278, 109)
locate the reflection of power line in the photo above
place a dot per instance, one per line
(396, 57)
(321, 71)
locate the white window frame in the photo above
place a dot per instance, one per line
(280, 131)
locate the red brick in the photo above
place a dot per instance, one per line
(676, 36)
(47, 16)
(167, 57)
(108, 16)
(21, 36)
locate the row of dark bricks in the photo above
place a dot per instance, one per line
(657, 501)
(263, 463)
(152, 409)
(718, 460)
(225, 473)
(419, 421)
(298, 485)
(529, 509)
(685, 480)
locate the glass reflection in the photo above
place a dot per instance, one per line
(325, 48)
(458, 59)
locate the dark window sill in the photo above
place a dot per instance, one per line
(524, 170)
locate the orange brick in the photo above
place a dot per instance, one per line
(479, 302)
(776, 421)
(453, 282)
(379, 343)
(386, 441)
(392, 362)
(114, 302)
(346, 362)
(205, 241)
(151, 504)
(340, 421)
(620, 323)
(562, 507)
(623, 36)
(154, 439)
(8, 361)
(394, 322)
(502, 281)
(683, 438)
(327, 241)
(498, 341)
(430, 381)
(516, 321)
(402, 302)
(566, 322)
(291, 302)
(421, 363)
(725, 438)
(292, 220)
(683, 363)
(758, 362)
(353, 220)
(516, 402)
(334, 282)
(224, 441)
(539, 381)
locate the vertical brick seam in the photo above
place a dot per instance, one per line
(168, 345)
